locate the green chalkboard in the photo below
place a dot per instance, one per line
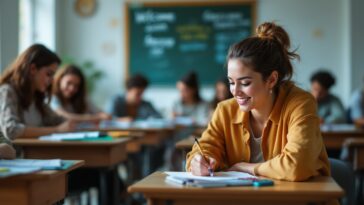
(165, 40)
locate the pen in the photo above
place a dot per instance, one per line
(204, 156)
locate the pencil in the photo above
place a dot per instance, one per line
(204, 156)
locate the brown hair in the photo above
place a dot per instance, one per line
(191, 81)
(266, 52)
(78, 101)
(19, 77)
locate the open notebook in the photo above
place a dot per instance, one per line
(220, 179)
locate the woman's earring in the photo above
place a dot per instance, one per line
(271, 91)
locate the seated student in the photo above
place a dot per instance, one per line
(222, 92)
(131, 106)
(330, 108)
(24, 87)
(70, 96)
(7, 151)
(190, 104)
(270, 128)
(356, 107)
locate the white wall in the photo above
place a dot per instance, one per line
(318, 28)
(9, 26)
(357, 43)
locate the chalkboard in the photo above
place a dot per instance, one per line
(165, 40)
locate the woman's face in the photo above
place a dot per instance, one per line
(43, 77)
(186, 93)
(247, 86)
(69, 85)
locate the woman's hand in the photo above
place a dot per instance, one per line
(69, 125)
(7, 151)
(200, 167)
(244, 167)
(104, 116)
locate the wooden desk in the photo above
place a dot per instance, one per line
(319, 190)
(103, 155)
(335, 139)
(39, 188)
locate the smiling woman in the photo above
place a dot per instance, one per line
(270, 128)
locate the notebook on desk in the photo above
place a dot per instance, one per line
(73, 136)
(220, 179)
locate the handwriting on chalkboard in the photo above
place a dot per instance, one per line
(170, 39)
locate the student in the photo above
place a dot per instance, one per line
(7, 151)
(131, 106)
(356, 107)
(190, 104)
(24, 87)
(330, 108)
(70, 96)
(222, 92)
(270, 128)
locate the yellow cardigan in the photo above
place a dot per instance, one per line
(292, 144)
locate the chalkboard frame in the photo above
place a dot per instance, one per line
(128, 3)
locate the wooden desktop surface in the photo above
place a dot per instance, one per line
(39, 188)
(317, 190)
(94, 153)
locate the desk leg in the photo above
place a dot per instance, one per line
(147, 152)
(116, 185)
(183, 161)
(103, 186)
(359, 192)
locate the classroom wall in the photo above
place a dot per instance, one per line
(9, 27)
(357, 43)
(320, 29)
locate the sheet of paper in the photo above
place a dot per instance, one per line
(217, 176)
(46, 163)
(70, 136)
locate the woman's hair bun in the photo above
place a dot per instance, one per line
(269, 30)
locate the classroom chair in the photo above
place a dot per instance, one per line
(344, 175)
(354, 153)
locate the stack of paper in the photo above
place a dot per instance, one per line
(71, 136)
(41, 163)
(220, 179)
(25, 166)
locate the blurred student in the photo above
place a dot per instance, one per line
(190, 105)
(70, 96)
(270, 128)
(356, 107)
(131, 106)
(24, 86)
(7, 151)
(222, 92)
(330, 108)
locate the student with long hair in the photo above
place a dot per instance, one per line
(70, 96)
(271, 127)
(24, 87)
(190, 105)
